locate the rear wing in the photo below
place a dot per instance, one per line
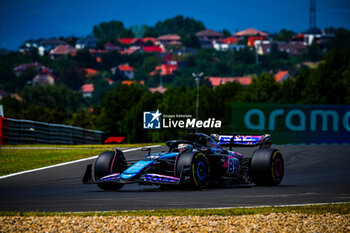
(245, 140)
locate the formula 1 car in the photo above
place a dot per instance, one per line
(198, 161)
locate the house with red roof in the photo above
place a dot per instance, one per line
(149, 41)
(21, 68)
(49, 44)
(228, 44)
(44, 77)
(89, 72)
(253, 39)
(153, 49)
(130, 50)
(110, 47)
(126, 70)
(159, 89)
(281, 75)
(62, 50)
(216, 81)
(250, 32)
(169, 39)
(87, 89)
(128, 41)
(110, 81)
(165, 69)
(210, 35)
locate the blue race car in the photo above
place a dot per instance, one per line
(198, 161)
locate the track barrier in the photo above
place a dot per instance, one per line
(15, 131)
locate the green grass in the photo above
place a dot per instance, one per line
(343, 208)
(15, 160)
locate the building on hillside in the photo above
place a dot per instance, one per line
(88, 42)
(210, 35)
(292, 48)
(49, 44)
(253, 40)
(110, 81)
(312, 35)
(88, 72)
(250, 32)
(165, 69)
(159, 89)
(87, 89)
(216, 81)
(18, 70)
(281, 75)
(62, 50)
(153, 49)
(111, 47)
(149, 41)
(169, 38)
(228, 44)
(44, 77)
(125, 70)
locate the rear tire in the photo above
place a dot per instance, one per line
(267, 167)
(109, 162)
(194, 169)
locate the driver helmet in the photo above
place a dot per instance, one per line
(184, 147)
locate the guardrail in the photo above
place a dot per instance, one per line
(15, 131)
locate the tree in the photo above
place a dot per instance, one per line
(329, 82)
(226, 33)
(109, 31)
(340, 40)
(127, 33)
(52, 96)
(85, 60)
(284, 35)
(179, 25)
(149, 31)
(191, 41)
(313, 53)
(111, 59)
(115, 106)
(72, 77)
(263, 89)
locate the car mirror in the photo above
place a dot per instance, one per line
(147, 149)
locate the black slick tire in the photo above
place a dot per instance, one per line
(193, 169)
(107, 163)
(267, 167)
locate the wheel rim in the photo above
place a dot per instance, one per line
(201, 170)
(278, 167)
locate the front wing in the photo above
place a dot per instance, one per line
(143, 178)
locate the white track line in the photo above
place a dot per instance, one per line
(268, 206)
(64, 164)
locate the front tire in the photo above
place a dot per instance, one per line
(193, 169)
(107, 163)
(267, 167)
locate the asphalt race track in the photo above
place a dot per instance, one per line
(314, 174)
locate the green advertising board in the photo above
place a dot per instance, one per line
(293, 123)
